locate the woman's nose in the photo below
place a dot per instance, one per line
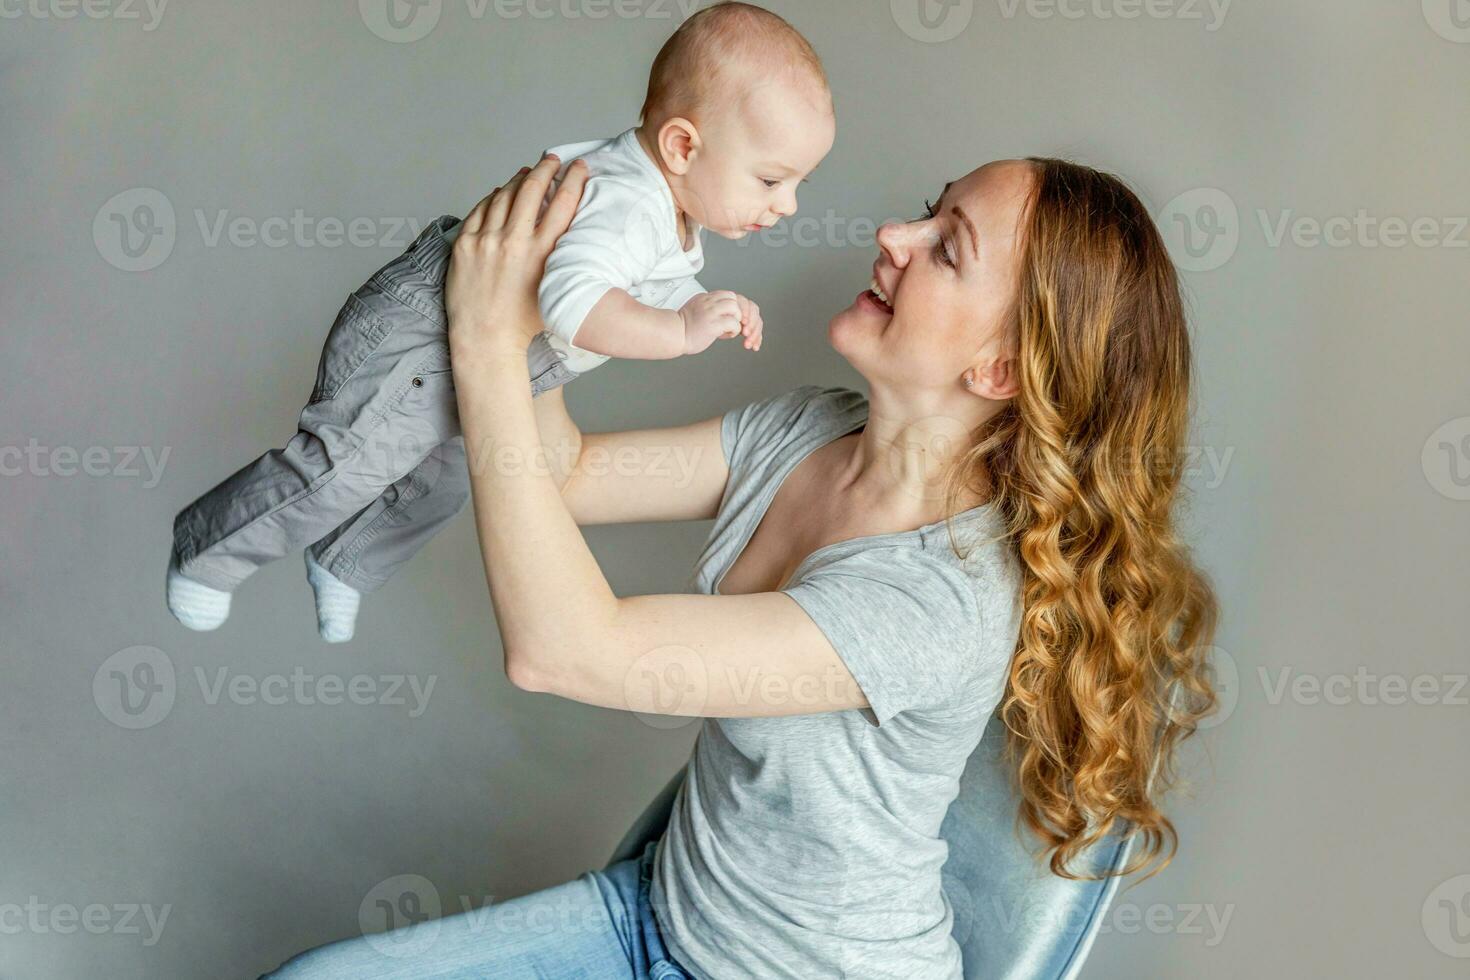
(894, 238)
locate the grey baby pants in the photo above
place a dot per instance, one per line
(378, 465)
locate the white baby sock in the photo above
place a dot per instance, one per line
(195, 604)
(336, 603)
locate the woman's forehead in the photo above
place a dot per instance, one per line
(993, 195)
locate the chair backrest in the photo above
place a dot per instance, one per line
(1013, 918)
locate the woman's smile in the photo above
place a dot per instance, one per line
(869, 300)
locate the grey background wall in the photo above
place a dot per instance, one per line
(1307, 160)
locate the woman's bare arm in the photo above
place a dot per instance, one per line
(675, 473)
(562, 628)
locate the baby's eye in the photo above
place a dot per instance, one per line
(769, 182)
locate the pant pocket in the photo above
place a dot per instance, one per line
(357, 332)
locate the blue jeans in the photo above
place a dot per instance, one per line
(599, 925)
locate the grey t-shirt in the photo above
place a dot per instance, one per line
(808, 846)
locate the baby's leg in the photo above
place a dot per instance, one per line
(362, 554)
(366, 551)
(378, 408)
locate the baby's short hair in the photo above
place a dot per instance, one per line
(701, 64)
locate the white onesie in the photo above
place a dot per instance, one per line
(624, 235)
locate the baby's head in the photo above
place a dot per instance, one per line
(738, 113)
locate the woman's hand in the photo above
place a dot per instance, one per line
(498, 259)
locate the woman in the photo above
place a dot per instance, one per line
(992, 521)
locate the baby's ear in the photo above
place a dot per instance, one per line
(678, 141)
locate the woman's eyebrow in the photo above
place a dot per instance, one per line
(970, 227)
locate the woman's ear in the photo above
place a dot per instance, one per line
(678, 141)
(996, 377)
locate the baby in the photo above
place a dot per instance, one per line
(738, 112)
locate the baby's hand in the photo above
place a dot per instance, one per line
(751, 324)
(710, 316)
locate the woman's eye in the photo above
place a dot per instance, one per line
(941, 248)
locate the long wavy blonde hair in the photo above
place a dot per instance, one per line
(1085, 465)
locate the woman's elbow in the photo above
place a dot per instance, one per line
(523, 674)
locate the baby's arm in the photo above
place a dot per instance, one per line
(611, 245)
(620, 326)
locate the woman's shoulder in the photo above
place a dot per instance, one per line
(809, 410)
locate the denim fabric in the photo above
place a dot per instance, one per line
(598, 926)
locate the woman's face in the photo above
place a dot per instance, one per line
(950, 281)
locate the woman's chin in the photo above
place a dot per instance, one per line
(859, 317)
(850, 327)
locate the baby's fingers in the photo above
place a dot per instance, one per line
(753, 331)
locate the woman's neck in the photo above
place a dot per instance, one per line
(900, 459)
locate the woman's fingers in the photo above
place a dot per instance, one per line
(563, 205)
(530, 194)
(500, 201)
(475, 220)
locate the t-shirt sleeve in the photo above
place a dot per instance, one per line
(686, 290)
(906, 624)
(757, 426)
(613, 242)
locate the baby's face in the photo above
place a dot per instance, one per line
(753, 156)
